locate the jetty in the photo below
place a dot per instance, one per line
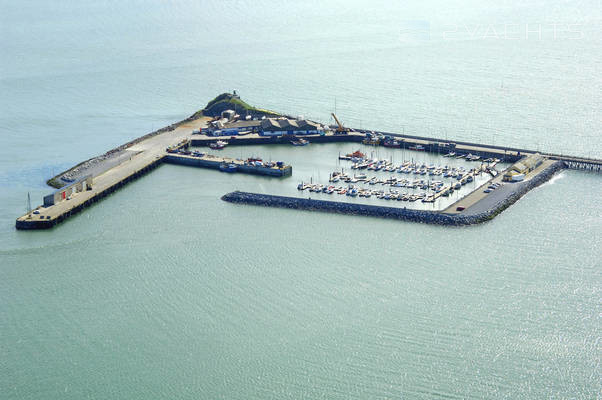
(225, 164)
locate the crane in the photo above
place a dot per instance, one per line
(340, 129)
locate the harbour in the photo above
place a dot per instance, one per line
(174, 145)
(161, 289)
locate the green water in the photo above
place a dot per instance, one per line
(162, 290)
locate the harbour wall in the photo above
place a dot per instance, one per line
(422, 216)
(242, 140)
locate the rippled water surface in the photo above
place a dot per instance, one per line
(164, 291)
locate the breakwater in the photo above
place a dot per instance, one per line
(34, 221)
(64, 177)
(422, 216)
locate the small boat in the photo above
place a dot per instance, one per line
(231, 167)
(218, 145)
(417, 147)
(300, 142)
(356, 154)
(392, 143)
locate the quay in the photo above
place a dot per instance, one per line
(255, 139)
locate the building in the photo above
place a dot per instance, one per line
(228, 114)
(234, 128)
(521, 168)
(286, 126)
(65, 192)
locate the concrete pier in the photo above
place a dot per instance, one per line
(144, 156)
(214, 162)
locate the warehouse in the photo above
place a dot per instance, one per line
(285, 126)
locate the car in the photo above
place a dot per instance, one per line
(487, 191)
(36, 212)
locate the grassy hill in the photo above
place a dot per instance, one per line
(229, 101)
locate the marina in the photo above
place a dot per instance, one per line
(431, 188)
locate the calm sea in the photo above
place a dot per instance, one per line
(164, 291)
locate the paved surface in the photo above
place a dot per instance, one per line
(478, 202)
(142, 155)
